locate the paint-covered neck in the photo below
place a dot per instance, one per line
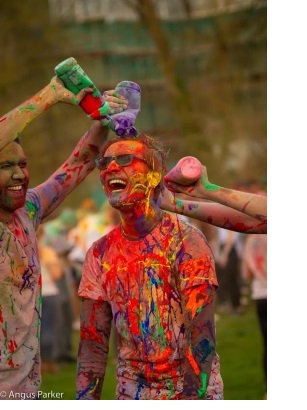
(135, 226)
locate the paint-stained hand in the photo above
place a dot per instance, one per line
(166, 200)
(62, 94)
(117, 102)
(114, 103)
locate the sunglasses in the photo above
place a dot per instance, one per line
(121, 160)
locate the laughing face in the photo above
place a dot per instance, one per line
(126, 185)
(14, 178)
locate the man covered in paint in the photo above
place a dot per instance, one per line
(21, 211)
(154, 275)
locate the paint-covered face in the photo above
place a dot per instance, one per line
(14, 178)
(126, 185)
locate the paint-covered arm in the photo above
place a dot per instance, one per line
(13, 123)
(198, 286)
(245, 202)
(79, 164)
(212, 213)
(95, 328)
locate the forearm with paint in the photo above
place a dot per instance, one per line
(79, 164)
(245, 202)
(215, 214)
(95, 328)
(201, 350)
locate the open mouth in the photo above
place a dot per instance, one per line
(116, 185)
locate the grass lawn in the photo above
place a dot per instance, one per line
(239, 348)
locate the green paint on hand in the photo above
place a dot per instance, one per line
(207, 185)
(202, 391)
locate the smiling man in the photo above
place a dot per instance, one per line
(153, 275)
(21, 212)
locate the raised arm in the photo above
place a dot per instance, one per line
(245, 202)
(70, 174)
(212, 213)
(13, 123)
(81, 161)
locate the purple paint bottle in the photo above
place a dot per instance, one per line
(123, 123)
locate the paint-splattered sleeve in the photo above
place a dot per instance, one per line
(95, 328)
(34, 207)
(78, 165)
(198, 286)
(96, 319)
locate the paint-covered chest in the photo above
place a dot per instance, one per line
(19, 264)
(138, 273)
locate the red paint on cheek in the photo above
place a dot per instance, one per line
(1, 317)
(2, 119)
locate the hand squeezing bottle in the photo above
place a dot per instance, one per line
(75, 80)
(123, 123)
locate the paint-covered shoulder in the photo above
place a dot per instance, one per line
(100, 246)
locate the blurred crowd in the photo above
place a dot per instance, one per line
(63, 242)
(241, 268)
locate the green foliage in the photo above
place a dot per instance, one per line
(238, 345)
